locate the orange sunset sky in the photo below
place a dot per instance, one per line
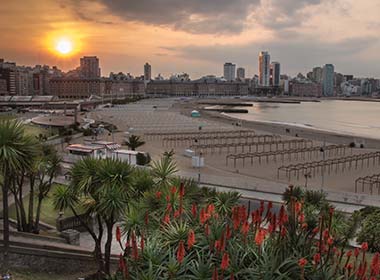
(194, 36)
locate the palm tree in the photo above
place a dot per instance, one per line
(133, 142)
(100, 188)
(49, 168)
(16, 152)
(163, 171)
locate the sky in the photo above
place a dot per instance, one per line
(194, 36)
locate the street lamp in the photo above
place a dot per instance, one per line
(322, 150)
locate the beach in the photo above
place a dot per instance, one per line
(173, 116)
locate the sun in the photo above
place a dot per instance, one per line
(64, 46)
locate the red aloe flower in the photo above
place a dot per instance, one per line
(225, 261)
(177, 213)
(207, 230)
(302, 262)
(245, 228)
(356, 252)
(301, 218)
(330, 241)
(146, 218)
(142, 242)
(135, 252)
(169, 207)
(210, 209)
(317, 258)
(168, 198)
(349, 254)
(180, 252)
(215, 275)
(283, 231)
(182, 190)
(364, 246)
(190, 239)
(173, 190)
(222, 242)
(158, 194)
(260, 236)
(326, 234)
(166, 219)
(375, 265)
(194, 210)
(217, 245)
(298, 207)
(118, 234)
(273, 223)
(202, 216)
(228, 232)
(232, 277)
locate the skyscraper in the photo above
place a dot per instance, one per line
(328, 80)
(229, 71)
(147, 72)
(240, 73)
(275, 74)
(89, 67)
(264, 68)
(317, 74)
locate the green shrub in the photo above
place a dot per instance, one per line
(370, 231)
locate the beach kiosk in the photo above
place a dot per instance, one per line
(195, 114)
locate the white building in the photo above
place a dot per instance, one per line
(127, 156)
(229, 71)
(264, 69)
(78, 151)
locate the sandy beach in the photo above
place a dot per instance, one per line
(169, 115)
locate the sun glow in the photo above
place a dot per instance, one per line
(64, 46)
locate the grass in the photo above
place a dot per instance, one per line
(48, 213)
(18, 274)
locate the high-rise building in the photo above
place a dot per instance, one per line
(9, 75)
(317, 74)
(147, 72)
(229, 71)
(89, 67)
(328, 80)
(264, 69)
(275, 74)
(240, 73)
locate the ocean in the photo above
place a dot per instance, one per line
(357, 118)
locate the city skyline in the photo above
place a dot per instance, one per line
(125, 35)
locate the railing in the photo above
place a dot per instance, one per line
(74, 222)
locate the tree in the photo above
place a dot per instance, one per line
(133, 142)
(16, 153)
(49, 168)
(102, 189)
(163, 171)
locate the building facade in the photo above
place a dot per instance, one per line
(147, 72)
(328, 80)
(201, 87)
(240, 73)
(77, 88)
(229, 71)
(275, 72)
(89, 67)
(305, 89)
(264, 69)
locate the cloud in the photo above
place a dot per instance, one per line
(295, 56)
(282, 14)
(194, 16)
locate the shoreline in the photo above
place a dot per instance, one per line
(302, 132)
